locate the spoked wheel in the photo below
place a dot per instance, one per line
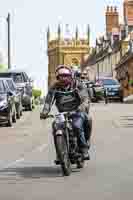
(62, 152)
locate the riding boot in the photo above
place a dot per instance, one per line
(57, 161)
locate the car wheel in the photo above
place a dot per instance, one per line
(14, 116)
(30, 106)
(18, 113)
(33, 106)
(121, 96)
(9, 122)
(121, 99)
(106, 100)
(21, 112)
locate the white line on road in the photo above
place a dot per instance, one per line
(41, 148)
(13, 163)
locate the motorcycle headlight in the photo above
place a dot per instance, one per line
(20, 89)
(116, 89)
(3, 101)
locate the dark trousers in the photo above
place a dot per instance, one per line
(82, 127)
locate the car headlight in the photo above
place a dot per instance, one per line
(3, 102)
(26, 92)
(116, 89)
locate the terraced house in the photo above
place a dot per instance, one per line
(107, 51)
(112, 54)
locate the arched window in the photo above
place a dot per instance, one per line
(75, 62)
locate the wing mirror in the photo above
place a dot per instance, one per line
(31, 80)
(10, 93)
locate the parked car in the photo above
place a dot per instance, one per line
(24, 84)
(100, 92)
(113, 89)
(18, 97)
(7, 104)
(96, 91)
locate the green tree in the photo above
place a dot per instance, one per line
(3, 67)
(36, 93)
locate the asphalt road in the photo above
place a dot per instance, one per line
(27, 170)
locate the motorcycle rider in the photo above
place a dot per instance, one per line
(77, 100)
(84, 76)
(89, 84)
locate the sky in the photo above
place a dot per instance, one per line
(30, 19)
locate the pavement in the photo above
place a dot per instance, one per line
(27, 170)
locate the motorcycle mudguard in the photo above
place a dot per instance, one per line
(58, 132)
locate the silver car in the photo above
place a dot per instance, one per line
(23, 84)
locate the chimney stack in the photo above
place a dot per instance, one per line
(128, 13)
(112, 19)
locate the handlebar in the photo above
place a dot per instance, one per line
(50, 116)
(66, 114)
(63, 113)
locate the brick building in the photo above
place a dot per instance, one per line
(124, 69)
(128, 14)
(113, 52)
(106, 53)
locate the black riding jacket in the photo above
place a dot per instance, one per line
(67, 99)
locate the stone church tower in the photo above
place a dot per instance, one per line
(65, 51)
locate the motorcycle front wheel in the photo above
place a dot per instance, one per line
(63, 154)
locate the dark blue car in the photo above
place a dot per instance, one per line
(113, 89)
(7, 104)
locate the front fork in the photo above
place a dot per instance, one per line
(59, 130)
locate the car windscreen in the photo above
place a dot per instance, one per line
(109, 82)
(17, 77)
(2, 88)
(11, 85)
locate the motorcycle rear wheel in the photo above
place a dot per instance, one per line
(80, 163)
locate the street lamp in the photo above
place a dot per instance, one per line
(110, 59)
(9, 40)
(98, 70)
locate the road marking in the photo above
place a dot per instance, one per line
(41, 148)
(18, 161)
(13, 163)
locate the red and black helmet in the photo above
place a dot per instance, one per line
(63, 70)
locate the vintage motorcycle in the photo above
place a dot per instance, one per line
(66, 142)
